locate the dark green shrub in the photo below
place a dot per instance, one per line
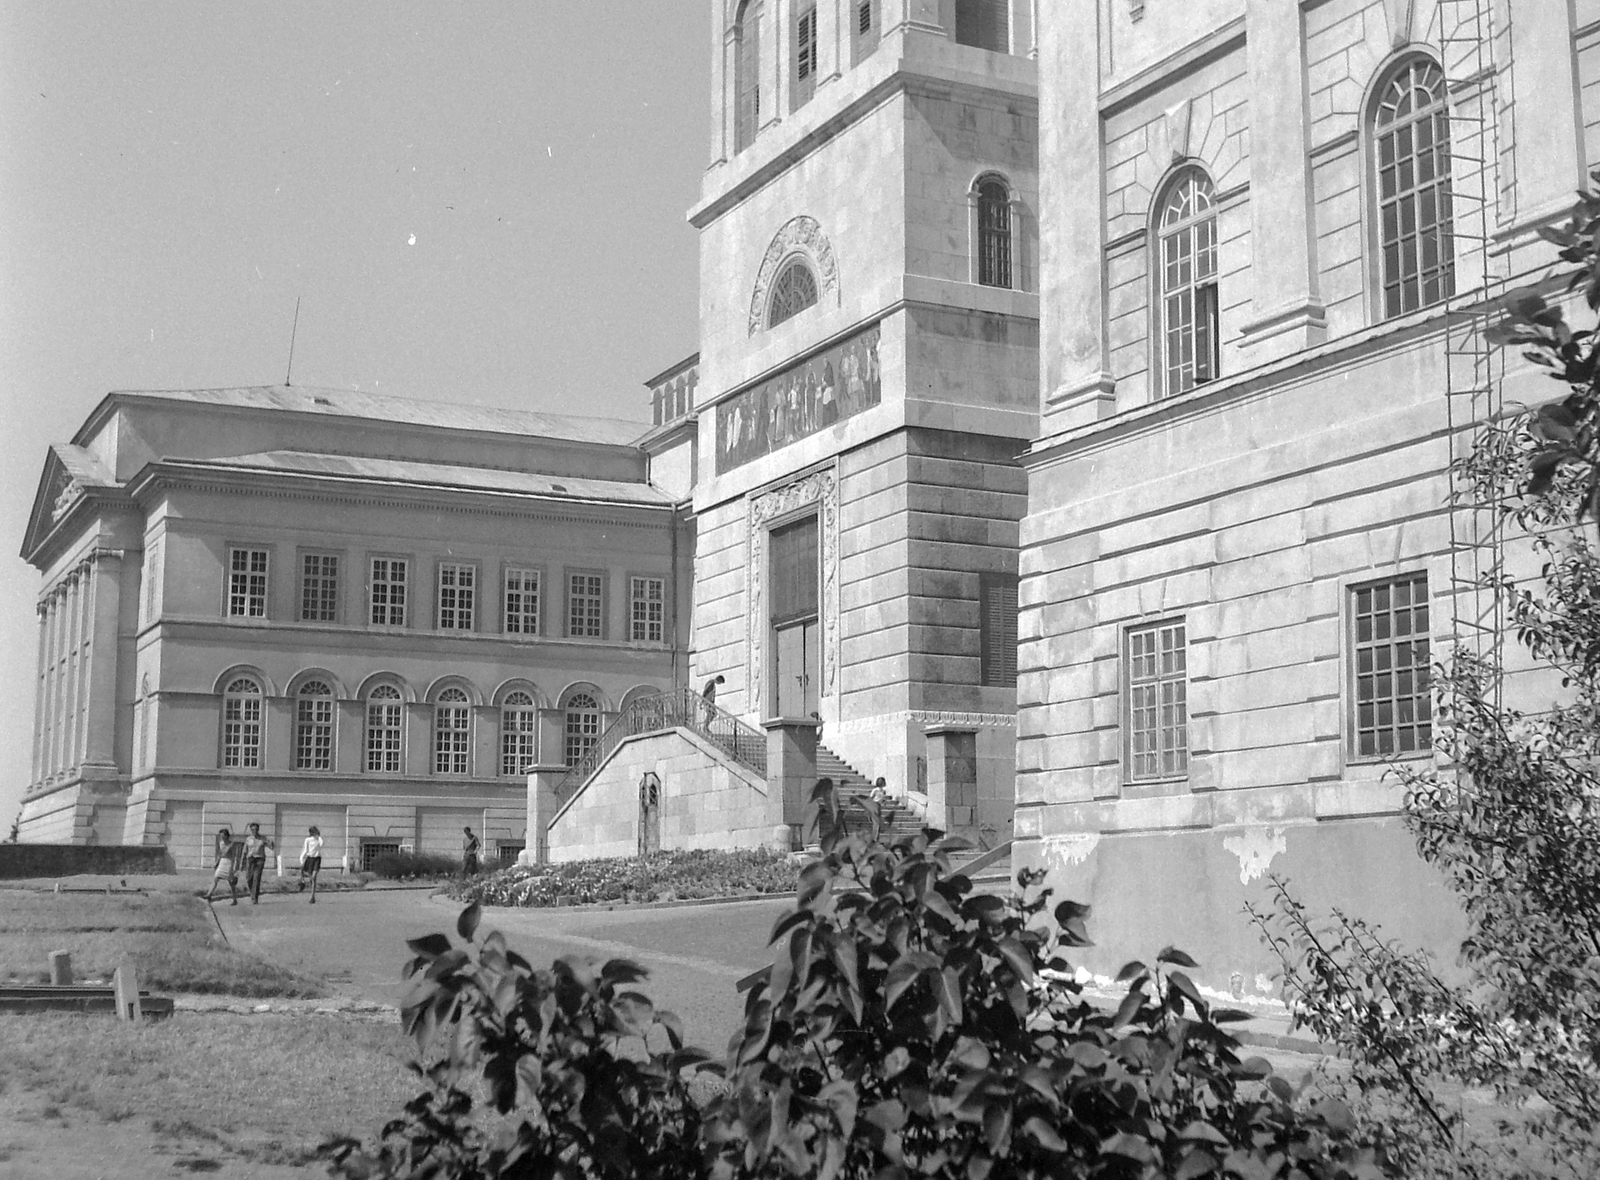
(689, 873)
(415, 866)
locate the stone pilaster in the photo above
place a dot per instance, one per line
(791, 773)
(101, 663)
(542, 806)
(952, 777)
(1548, 130)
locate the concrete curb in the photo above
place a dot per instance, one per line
(249, 1006)
(679, 903)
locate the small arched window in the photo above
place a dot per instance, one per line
(994, 233)
(1187, 250)
(519, 729)
(452, 732)
(746, 74)
(582, 726)
(241, 725)
(794, 290)
(1411, 144)
(384, 729)
(313, 727)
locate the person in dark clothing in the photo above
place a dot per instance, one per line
(255, 861)
(469, 853)
(227, 866)
(709, 695)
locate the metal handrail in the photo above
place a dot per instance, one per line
(682, 708)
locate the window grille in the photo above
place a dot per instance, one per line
(313, 727)
(519, 728)
(371, 850)
(457, 592)
(388, 592)
(582, 727)
(247, 583)
(522, 602)
(452, 733)
(1412, 143)
(864, 17)
(997, 630)
(994, 234)
(1393, 707)
(648, 609)
(794, 290)
(319, 588)
(1158, 702)
(241, 725)
(1189, 283)
(384, 729)
(585, 606)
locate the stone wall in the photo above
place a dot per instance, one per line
(21, 861)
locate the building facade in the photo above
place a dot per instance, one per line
(1271, 237)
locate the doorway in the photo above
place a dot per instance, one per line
(794, 621)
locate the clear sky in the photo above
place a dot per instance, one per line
(475, 202)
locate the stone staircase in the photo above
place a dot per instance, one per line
(854, 785)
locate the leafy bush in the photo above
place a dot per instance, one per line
(905, 1027)
(415, 866)
(661, 876)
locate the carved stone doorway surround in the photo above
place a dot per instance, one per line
(820, 488)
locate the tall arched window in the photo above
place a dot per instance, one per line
(1411, 145)
(452, 732)
(746, 74)
(794, 290)
(1187, 250)
(241, 725)
(384, 729)
(582, 726)
(313, 727)
(519, 728)
(994, 232)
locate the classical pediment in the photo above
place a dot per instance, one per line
(70, 474)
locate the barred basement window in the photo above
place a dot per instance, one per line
(457, 595)
(994, 233)
(997, 629)
(582, 727)
(247, 583)
(1411, 131)
(519, 728)
(522, 602)
(313, 727)
(585, 606)
(647, 609)
(388, 592)
(241, 725)
(1189, 283)
(1158, 702)
(319, 588)
(384, 729)
(794, 290)
(452, 732)
(1393, 706)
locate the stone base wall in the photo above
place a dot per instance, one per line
(87, 811)
(21, 861)
(706, 801)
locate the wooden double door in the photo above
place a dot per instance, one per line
(794, 618)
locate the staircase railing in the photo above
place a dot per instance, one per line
(681, 708)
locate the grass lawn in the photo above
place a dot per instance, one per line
(171, 937)
(268, 1087)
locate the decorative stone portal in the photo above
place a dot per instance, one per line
(778, 506)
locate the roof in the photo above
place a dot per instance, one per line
(446, 475)
(83, 467)
(344, 403)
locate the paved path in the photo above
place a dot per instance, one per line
(695, 954)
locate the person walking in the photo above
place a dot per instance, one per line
(708, 694)
(469, 853)
(255, 861)
(227, 866)
(311, 861)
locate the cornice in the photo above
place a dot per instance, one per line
(1214, 46)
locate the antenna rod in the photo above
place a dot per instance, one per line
(292, 331)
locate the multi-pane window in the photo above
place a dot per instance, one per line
(1411, 135)
(519, 728)
(1158, 702)
(313, 727)
(805, 55)
(585, 606)
(794, 290)
(457, 595)
(647, 609)
(997, 629)
(994, 233)
(384, 729)
(582, 727)
(1188, 248)
(452, 732)
(1393, 711)
(388, 592)
(319, 588)
(746, 74)
(522, 602)
(241, 725)
(247, 583)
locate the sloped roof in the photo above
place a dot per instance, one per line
(344, 403)
(70, 473)
(446, 475)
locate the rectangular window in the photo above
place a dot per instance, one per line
(1158, 702)
(1393, 708)
(319, 588)
(247, 583)
(522, 602)
(241, 732)
(371, 850)
(864, 29)
(793, 564)
(452, 735)
(383, 735)
(997, 629)
(313, 733)
(647, 609)
(586, 606)
(388, 592)
(457, 590)
(805, 56)
(519, 728)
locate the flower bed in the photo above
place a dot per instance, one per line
(661, 876)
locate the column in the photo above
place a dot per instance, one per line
(1286, 312)
(791, 773)
(952, 777)
(1547, 134)
(73, 684)
(1077, 385)
(277, 743)
(58, 663)
(543, 802)
(105, 617)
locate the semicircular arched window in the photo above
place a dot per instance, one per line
(452, 732)
(794, 290)
(313, 726)
(1188, 280)
(384, 729)
(994, 232)
(582, 726)
(519, 727)
(241, 725)
(1411, 144)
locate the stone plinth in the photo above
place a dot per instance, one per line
(791, 773)
(952, 777)
(542, 806)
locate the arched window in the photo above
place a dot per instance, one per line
(452, 732)
(1411, 144)
(994, 233)
(582, 728)
(384, 729)
(1188, 277)
(794, 290)
(241, 725)
(746, 74)
(519, 728)
(313, 727)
